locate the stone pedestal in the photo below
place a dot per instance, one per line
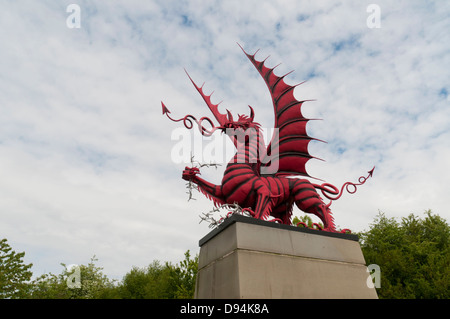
(253, 259)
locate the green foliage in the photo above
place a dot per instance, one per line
(413, 255)
(156, 281)
(304, 219)
(185, 276)
(159, 281)
(14, 274)
(152, 282)
(79, 282)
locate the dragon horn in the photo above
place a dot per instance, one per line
(221, 118)
(252, 113)
(230, 116)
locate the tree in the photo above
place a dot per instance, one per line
(151, 282)
(14, 274)
(161, 281)
(413, 255)
(76, 282)
(185, 276)
(156, 281)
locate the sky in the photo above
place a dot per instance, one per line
(89, 165)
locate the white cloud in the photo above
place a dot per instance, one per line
(85, 152)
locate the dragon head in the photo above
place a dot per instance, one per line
(243, 123)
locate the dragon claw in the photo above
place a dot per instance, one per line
(249, 211)
(190, 172)
(317, 226)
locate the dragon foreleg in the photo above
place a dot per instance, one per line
(211, 191)
(264, 200)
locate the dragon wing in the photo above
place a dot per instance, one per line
(287, 153)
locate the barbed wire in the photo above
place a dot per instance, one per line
(191, 185)
(232, 209)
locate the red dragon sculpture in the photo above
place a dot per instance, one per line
(259, 178)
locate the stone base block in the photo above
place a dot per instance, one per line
(246, 258)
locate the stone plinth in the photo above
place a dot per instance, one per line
(249, 258)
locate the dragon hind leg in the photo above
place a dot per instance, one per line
(283, 212)
(308, 200)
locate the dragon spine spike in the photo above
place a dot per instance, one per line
(214, 108)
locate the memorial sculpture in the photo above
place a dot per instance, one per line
(266, 180)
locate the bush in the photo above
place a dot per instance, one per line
(413, 255)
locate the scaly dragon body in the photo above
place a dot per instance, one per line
(264, 196)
